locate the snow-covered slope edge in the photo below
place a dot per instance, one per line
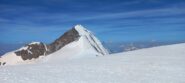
(77, 42)
(26, 54)
(164, 64)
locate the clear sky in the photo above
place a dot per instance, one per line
(111, 20)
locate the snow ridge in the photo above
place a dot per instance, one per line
(91, 39)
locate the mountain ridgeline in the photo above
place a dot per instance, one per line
(65, 39)
(35, 50)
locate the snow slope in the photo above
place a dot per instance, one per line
(86, 46)
(164, 64)
(11, 58)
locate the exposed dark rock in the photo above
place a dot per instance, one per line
(36, 50)
(4, 63)
(32, 51)
(65, 39)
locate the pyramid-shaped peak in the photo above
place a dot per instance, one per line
(76, 42)
(81, 30)
(79, 27)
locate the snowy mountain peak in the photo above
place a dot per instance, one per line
(83, 44)
(79, 26)
(77, 42)
(91, 39)
(81, 30)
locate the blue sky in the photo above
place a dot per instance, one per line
(24, 21)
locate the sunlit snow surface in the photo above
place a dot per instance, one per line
(164, 64)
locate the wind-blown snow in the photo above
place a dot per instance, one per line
(164, 64)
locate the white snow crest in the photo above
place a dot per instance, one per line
(34, 43)
(26, 47)
(91, 39)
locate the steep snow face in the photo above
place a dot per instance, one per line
(91, 39)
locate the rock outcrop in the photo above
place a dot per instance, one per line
(65, 39)
(32, 50)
